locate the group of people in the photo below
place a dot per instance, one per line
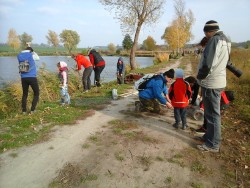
(211, 78)
(28, 73)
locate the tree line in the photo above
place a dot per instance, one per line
(132, 14)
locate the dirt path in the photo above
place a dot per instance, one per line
(113, 161)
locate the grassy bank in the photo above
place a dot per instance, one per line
(17, 129)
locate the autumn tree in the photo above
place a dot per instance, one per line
(127, 42)
(70, 39)
(132, 14)
(13, 39)
(25, 38)
(149, 43)
(179, 32)
(112, 48)
(53, 39)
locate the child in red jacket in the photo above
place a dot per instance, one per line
(179, 94)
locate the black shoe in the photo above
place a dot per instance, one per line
(176, 125)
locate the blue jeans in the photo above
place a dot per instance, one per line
(65, 98)
(211, 99)
(180, 115)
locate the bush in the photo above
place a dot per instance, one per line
(161, 57)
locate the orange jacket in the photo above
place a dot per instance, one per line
(82, 60)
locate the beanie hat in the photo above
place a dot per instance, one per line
(169, 73)
(211, 26)
(179, 73)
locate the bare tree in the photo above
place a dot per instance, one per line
(13, 39)
(133, 14)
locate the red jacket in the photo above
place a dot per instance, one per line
(179, 93)
(81, 60)
(96, 59)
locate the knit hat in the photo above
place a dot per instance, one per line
(169, 73)
(179, 73)
(211, 26)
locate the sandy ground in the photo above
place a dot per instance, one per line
(64, 160)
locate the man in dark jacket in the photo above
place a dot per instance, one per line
(98, 65)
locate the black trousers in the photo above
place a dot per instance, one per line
(26, 82)
(98, 71)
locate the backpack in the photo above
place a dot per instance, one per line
(24, 66)
(143, 81)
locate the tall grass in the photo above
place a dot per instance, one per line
(241, 86)
(10, 96)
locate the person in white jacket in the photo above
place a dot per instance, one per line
(212, 79)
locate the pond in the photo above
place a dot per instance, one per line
(9, 66)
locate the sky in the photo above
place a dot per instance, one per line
(97, 26)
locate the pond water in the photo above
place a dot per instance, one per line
(9, 66)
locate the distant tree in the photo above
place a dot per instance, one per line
(127, 42)
(13, 39)
(53, 39)
(25, 38)
(179, 32)
(112, 48)
(133, 14)
(149, 44)
(70, 39)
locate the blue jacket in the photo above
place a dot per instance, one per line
(120, 67)
(27, 55)
(154, 89)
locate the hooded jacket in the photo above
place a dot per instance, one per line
(179, 93)
(154, 89)
(120, 67)
(212, 67)
(63, 73)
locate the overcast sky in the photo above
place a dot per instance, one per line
(97, 27)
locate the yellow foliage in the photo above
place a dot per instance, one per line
(162, 57)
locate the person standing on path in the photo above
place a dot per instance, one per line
(28, 74)
(212, 79)
(179, 94)
(88, 68)
(98, 63)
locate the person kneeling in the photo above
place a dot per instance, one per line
(152, 95)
